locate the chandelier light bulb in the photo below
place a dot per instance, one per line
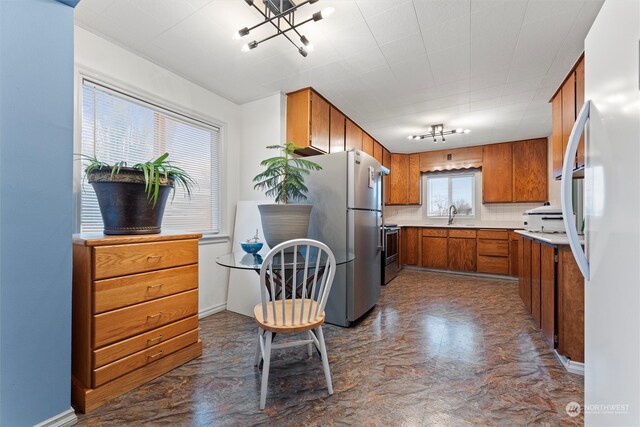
(467, 130)
(327, 12)
(459, 130)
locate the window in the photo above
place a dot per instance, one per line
(118, 127)
(444, 190)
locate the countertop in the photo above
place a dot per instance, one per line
(551, 238)
(511, 225)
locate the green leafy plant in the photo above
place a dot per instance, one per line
(283, 178)
(155, 172)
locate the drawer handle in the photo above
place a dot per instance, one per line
(154, 340)
(153, 356)
(150, 287)
(154, 257)
(154, 316)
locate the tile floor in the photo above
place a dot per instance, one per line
(438, 349)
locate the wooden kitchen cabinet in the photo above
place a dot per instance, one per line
(404, 179)
(552, 290)
(367, 144)
(353, 136)
(336, 131)
(434, 248)
(514, 246)
(493, 252)
(530, 182)
(457, 158)
(386, 180)
(134, 312)
(461, 250)
(565, 106)
(378, 152)
(410, 246)
(308, 117)
(497, 169)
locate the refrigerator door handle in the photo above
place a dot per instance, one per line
(567, 189)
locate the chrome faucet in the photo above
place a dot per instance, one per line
(452, 215)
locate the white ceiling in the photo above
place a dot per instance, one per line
(393, 66)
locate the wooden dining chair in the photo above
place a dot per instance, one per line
(296, 277)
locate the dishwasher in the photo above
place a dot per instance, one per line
(390, 261)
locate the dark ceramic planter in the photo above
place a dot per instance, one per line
(123, 202)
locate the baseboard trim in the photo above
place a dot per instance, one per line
(63, 419)
(463, 273)
(569, 365)
(212, 310)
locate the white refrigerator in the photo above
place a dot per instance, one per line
(610, 260)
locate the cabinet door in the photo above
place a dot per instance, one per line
(336, 131)
(367, 144)
(353, 136)
(413, 180)
(386, 182)
(530, 171)
(461, 254)
(535, 282)
(398, 177)
(319, 123)
(497, 172)
(434, 252)
(377, 151)
(570, 306)
(514, 254)
(556, 134)
(548, 293)
(299, 117)
(568, 109)
(410, 246)
(525, 273)
(580, 160)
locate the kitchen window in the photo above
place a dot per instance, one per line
(446, 189)
(117, 126)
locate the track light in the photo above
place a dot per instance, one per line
(438, 130)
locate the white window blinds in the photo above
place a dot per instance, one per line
(118, 127)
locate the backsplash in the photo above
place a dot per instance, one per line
(488, 212)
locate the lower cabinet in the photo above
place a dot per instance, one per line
(552, 290)
(410, 246)
(493, 252)
(462, 250)
(434, 248)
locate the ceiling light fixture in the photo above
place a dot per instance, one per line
(438, 130)
(281, 15)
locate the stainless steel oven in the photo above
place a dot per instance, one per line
(390, 261)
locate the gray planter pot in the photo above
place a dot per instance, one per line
(284, 222)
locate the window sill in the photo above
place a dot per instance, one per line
(208, 239)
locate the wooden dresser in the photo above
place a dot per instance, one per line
(135, 311)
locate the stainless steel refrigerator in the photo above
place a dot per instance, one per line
(347, 216)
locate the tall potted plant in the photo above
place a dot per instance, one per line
(132, 199)
(283, 179)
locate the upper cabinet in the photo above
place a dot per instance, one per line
(404, 180)
(367, 144)
(515, 172)
(565, 106)
(336, 131)
(386, 181)
(353, 136)
(308, 117)
(457, 158)
(377, 152)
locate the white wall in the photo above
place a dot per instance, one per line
(113, 64)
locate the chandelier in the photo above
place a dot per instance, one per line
(281, 15)
(436, 131)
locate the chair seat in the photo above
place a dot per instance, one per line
(292, 325)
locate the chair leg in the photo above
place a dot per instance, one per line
(325, 359)
(258, 349)
(309, 349)
(265, 369)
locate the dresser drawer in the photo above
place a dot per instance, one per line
(493, 247)
(493, 234)
(126, 322)
(142, 358)
(493, 265)
(143, 341)
(118, 292)
(120, 260)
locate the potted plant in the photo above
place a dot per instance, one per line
(283, 179)
(132, 199)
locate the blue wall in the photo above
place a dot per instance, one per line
(36, 153)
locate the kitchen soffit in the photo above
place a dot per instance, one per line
(393, 67)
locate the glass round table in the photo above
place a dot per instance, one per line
(245, 261)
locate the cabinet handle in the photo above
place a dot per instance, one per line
(150, 287)
(154, 340)
(153, 356)
(154, 316)
(150, 257)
